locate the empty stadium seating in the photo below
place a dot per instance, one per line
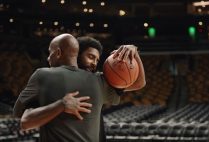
(148, 118)
(185, 124)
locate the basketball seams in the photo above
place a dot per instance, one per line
(116, 73)
(136, 73)
(128, 72)
(120, 75)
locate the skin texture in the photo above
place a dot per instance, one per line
(89, 59)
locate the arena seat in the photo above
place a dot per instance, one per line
(139, 129)
(164, 130)
(202, 131)
(189, 130)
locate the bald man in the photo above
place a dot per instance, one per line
(43, 102)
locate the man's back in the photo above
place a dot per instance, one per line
(53, 84)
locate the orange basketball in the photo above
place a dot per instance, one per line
(120, 74)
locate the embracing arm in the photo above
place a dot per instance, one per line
(33, 118)
(28, 98)
(27, 105)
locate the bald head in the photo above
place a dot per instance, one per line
(66, 47)
(66, 42)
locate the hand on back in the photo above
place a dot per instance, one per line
(75, 105)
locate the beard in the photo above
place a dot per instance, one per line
(87, 68)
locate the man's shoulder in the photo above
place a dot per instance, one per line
(51, 69)
(64, 69)
(43, 69)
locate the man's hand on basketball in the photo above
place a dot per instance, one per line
(76, 105)
(124, 52)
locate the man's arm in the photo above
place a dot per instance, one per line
(27, 103)
(28, 98)
(130, 51)
(110, 95)
(33, 118)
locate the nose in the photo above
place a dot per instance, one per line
(94, 63)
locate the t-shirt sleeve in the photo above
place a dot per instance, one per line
(110, 94)
(28, 98)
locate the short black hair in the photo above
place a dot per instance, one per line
(85, 42)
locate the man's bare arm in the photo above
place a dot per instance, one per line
(33, 118)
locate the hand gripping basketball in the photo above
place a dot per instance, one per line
(120, 74)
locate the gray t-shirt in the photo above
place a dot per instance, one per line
(47, 85)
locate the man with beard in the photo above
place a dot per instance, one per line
(90, 51)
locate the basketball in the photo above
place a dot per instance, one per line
(120, 74)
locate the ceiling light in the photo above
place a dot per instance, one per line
(11, 20)
(43, 1)
(84, 2)
(62, 1)
(200, 23)
(91, 24)
(122, 12)
(56, 23)
(201, 3)
(40, 22)
(146, 25)
(102, 3)
(85, 10)
(90, 10)
(77, 24)
(105, 25)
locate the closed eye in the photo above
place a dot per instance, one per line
(92, 57)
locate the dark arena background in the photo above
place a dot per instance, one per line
(173, 41)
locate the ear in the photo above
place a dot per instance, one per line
(59, 53)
